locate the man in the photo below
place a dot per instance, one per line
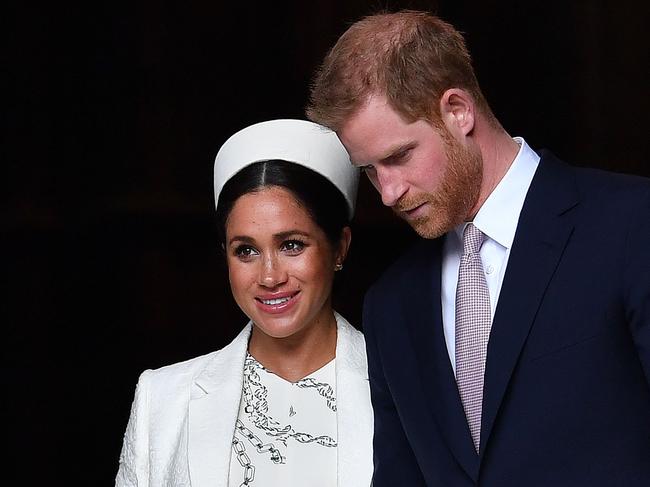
(511, 346)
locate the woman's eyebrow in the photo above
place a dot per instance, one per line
(241, 238)
(289, 233)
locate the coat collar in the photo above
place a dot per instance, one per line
(216, 394)
(354, 411)
(213, 409)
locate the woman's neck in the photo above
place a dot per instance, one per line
(304, 352)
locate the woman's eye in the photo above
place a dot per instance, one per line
(293, 246)
(245, 252)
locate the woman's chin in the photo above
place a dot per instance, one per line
(278, 328)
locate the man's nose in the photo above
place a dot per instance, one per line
(272, 272)
(390, 184)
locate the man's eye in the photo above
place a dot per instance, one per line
(402, 155)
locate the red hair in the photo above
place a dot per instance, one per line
(409, 57)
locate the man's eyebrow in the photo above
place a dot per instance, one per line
(396, 149)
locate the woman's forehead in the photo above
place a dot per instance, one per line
(270, 210)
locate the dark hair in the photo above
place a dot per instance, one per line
(322, 200)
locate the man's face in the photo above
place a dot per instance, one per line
(424, 174)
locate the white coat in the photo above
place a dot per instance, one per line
(183, 418)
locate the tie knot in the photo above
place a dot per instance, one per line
(472, 239)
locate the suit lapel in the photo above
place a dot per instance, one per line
(213, 410)
(424, 313)
(354, 411)
(542, 233)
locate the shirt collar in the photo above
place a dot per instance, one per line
(498, 216)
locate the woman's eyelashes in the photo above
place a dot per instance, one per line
(293, 246)
(246, 252)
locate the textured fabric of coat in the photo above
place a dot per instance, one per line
(183, 418)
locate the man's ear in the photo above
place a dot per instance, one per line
(457, 111)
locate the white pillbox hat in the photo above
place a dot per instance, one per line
(298, 141)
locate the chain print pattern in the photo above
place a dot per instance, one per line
(254, 397)
(323, 389)
(244, 460)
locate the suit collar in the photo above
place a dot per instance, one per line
(424, 316)
(544, 229)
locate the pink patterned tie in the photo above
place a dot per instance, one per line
(473, 321)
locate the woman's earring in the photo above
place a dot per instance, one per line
(338, 266)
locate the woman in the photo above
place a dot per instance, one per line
(287, 402)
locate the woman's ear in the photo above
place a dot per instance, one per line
(343, 247)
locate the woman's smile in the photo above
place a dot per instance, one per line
(277, 303)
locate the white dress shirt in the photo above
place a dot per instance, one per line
(497, 219)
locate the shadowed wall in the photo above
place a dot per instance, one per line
(111, 124)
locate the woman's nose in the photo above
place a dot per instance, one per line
(272, 272)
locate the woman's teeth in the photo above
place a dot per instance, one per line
(273, 302)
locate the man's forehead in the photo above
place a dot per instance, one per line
(374, 132)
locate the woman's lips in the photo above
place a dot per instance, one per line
(277, 303)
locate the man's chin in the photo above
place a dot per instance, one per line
(426, 228)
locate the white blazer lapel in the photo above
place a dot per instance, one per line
(354, 410)
(213, 410)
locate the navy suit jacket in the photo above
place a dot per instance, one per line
(566, 398)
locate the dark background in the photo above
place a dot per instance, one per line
(111, 119)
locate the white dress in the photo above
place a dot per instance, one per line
(286, 432)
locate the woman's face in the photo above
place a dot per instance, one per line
(280, 263)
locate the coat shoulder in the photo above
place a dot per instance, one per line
(180, 375)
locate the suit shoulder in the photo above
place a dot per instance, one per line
(613, 193)
(591, 179)
(611, 181)
(598, 193)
